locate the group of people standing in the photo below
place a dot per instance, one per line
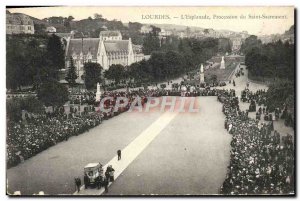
(260, 163)
(101, 181)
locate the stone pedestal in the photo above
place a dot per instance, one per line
(201, 77)
(222, 66)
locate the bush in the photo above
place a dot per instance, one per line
(52, 93)
(15, 106)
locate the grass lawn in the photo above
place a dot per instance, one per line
(223, 74)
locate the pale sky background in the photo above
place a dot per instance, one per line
(134, 14)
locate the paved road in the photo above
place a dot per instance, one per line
(190, 156)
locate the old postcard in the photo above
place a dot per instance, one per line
(150, 101)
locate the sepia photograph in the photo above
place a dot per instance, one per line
(150, 101)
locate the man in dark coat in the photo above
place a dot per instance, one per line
(111, 174)
(78, 183)
(105, 184)
(119, 154)
(98, 182)
(85, 180)
(107, 174)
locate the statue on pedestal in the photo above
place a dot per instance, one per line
(201, 74)
(98, 93)
(222, 66)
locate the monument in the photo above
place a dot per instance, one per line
(222, 63)
(183, 90)
(201, 74)
(98, 93)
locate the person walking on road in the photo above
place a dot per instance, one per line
(78, 183)
(112, 174)
(119, 154)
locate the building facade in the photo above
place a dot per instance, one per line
(106, 50)
(146, 29)
(236, 44)
(18, 23)
(51, 29)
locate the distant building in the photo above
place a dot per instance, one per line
(106, 50)
(104, 27)
(138, 53)
(244, 34)
(182, 34)
(51, 29)
(146, 29)
(236, 44)
(66, 36)
(110, 35)
(164, 32)
(18, 23)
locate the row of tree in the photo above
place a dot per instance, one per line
(271, 60)
(35, 61)
(32, 60)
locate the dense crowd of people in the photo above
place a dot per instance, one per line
(25, 140)
(259, 162)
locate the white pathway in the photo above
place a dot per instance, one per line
(130, 152)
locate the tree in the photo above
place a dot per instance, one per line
(70, 18)
(92, 75)
(273, 60)
(174, 64)
(155, 30)
(151, 41)
(39, 28)
(55, 55)
(15, 106)
(97, 16)
(250, 43)
(72, 75)
(206, 31)
(95, 33)
(52, 93)
(115, 72)
(225, 45)
(279, 93)
(24, 67)
(15, 62)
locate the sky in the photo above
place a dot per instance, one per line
(180, 15)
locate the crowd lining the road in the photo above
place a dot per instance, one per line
(259, 163)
